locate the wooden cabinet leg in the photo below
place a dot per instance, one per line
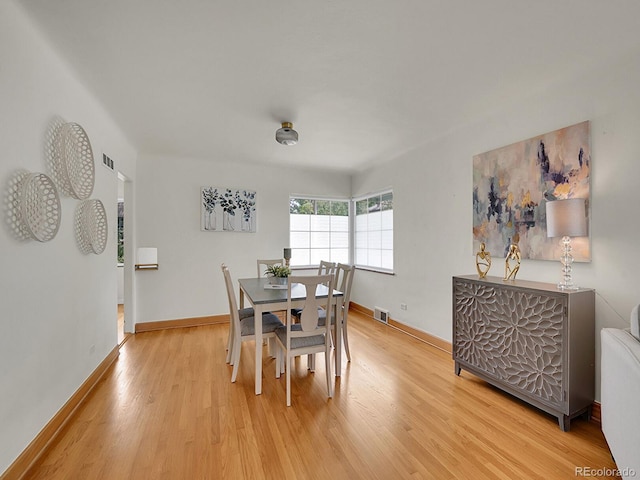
(565, 422)
(589, 412)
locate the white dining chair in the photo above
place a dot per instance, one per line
(324, 268)
(242, 330)
(242, 313)
(343, 281)
(262, 264)
(307, 336)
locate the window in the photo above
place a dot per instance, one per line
(318, 230)
(374, 231)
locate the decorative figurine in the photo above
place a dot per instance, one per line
(483, 261)
(509, 271)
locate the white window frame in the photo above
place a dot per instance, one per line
(349, 227)
(386, 239)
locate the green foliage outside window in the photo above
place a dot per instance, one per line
(361, 207)
(305, 206)
(376, 203)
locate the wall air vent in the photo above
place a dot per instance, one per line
(381, 314)
(108, 162)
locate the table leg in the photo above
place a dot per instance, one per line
(257, 316)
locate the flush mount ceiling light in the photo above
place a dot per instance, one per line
(287, 135)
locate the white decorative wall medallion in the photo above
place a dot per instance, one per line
(13, 217)
(72, 160)
(39, 206)
(91, 226)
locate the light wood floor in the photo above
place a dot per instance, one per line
(167, 410)
(120, 323)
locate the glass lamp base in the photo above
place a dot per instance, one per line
(566, 260)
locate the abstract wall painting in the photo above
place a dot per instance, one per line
(512, 184)
(227, 210)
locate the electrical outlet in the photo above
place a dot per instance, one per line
(403, 306)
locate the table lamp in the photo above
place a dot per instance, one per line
(566, 219)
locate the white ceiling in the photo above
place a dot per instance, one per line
(362, 80)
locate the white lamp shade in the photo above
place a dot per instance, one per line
(147, 256)
(567, 218)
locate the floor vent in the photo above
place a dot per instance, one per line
(381, 314)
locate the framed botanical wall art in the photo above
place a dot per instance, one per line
(512, 184)
(227, 210)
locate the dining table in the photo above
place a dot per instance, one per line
(266, 297)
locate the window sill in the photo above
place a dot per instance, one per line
(298, 268)
(375, 270)
(304, 267)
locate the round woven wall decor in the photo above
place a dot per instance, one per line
(91, 226)
(72, 161)
(39, 206)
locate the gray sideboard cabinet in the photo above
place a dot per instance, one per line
(529, 339)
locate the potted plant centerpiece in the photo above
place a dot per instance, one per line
(278, 274)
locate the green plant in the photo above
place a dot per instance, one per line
(278, 271)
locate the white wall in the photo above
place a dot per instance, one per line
(58, 306)
(120, 280)
(433, 203)
(189, 282)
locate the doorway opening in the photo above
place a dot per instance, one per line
(120, 260)
(126, 299)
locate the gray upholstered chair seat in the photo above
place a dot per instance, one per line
(322, 318)
(297, 312)
(298, 342)
(270, 323)
(245, 312)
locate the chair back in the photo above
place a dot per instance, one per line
(231, 296)
(326, 268)
(267, 263)
(309, 316)
(344, 280)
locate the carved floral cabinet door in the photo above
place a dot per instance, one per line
(529, 339)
